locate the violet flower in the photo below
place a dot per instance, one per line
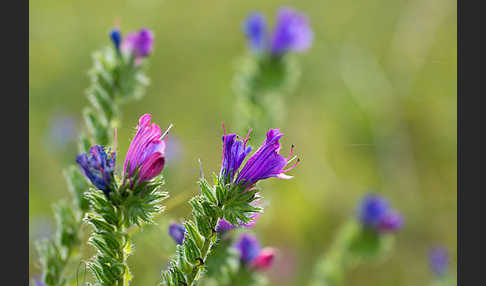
(266, 162)
(146, 152)
(374, 212)
(438, 260)
(140, 44)
(224, 226)
(234, 152)
(292, 32)
(251, 253)
(177, 232)
(248, 247)
(98, 167)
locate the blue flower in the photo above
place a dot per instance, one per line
(98, 167)
(438, 260)
(255, 30)
(248, 247)
(374, 212)
(177, 232)
(116, 38)
(234, 152)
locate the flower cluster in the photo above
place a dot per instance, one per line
(375, 212)
(138, 44)
(292, 33)
(144, 161)
(251, 253)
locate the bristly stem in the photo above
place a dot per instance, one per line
(114, 80)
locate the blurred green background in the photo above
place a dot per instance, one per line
(375, 109)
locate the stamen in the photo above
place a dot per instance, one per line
(247, 136)
(295, 165)
(290, 161)
(291, 151)
(167, 131)
(201, 168)
(224, 129)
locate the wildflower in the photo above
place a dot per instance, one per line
(292, 32)
(116, 38)
(266, 162)
(234, 152)
(264, 260)
(248, 247)
(38, 282)
(255, 30)
(374, 212)
(438, 260)
(251, 253)
(224, 226)
(146, 152)
(140, 44)
(177, 232)
(98, 167)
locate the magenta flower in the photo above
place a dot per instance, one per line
(140, 44)
(146, 152)
(266, 162)
(264, 260)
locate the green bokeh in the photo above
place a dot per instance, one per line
(375, 109)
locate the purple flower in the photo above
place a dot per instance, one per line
(266, 162)
(38, 282)
(391, 221)
(98, 167)
(234, 152)
(248, 247)
(116, 37)
(224, 226)
(438, 260)
(255, 30)
(177, 232)
(374, 212)
(146, 152)
(139, 44)
(292, 32)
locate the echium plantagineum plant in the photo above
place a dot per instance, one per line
(118, 204)
(232, 198)
(117, 77)
(438, 257)
(269, 70)
(367, 238)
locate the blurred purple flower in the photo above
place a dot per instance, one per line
(38, 282)
(248, 247)
(438, 260)
(139, 44)
(62, 131)
(375, 212)
(224, 226)
(177, 232)
(255, 30)
(266, 162)
(292, 32)
(146, 151)
(98, 167)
